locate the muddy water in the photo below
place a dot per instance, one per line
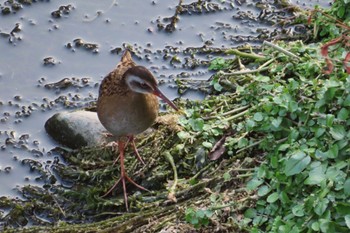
(25, 101)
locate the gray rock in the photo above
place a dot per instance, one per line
(77, 129)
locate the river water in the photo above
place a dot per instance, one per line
(37, 48)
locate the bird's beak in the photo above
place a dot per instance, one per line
(158, 93)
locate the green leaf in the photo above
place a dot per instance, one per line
(258, 116)
(296, 163)
(262, 78)
(320, 155)
(343, 114)
(196, 124)
(209, 213)
(183, 135)
(332, 153)
(276, 122)
(254, 183)
(333, 173)
(347, 187)
(319, 132)
(315, 226)
(341, 11)
(190, 216)
(273, 197)
(283, 147)
(346, 102)
(250, 124)
(218, 64)
(321, 206)
(217, 86)
(227, 176)
(262, 170)
(338, 132)
(298, 210)
(347, 220)
(316, 176)
(330, 93)
(343, 208)
(284, 198)
(292, 106)
(207, 145)
(274, 161)
(242, 142)
(263, 190)
(250, 213)
(329, 120)
(180, 147)
(200, 213)
(326, 225)
(293, 135)
(332, 83)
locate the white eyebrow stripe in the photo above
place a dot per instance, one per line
(135, 78)
(130, 79)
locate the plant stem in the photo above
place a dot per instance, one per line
(237, 115)
(171, 195)
(250, 146)
(243, 72)
(254, 197)
(281, 50)
(245, 55)
(227, 113)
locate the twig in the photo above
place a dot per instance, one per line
(257, 143)
(244, 175)
(250, 146)
(254, 197)
(281, 50)
(171, 195)
(267, 63)
(245, 55)
(324, 116)
(237, 115)
(242, 72)
(59, 207)
(201, 171)
(227, 113)
(235, 110)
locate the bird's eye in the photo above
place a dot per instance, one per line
(143, 85)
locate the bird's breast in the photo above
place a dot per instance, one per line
(129, 114)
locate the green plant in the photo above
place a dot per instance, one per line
(199, 217)
(297, 117)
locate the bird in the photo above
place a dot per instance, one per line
(127, 105)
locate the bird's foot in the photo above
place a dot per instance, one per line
(123, 179)
(123, 175)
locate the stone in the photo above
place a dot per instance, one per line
(77, 129)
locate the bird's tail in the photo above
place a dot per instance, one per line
(126, 56)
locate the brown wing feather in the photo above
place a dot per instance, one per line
(114, 83)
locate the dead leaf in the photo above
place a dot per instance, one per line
(219, 148)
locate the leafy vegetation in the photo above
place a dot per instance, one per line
(298, 119)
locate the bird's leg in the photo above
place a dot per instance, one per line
(123, 176)
(132, 140)
(122, 171)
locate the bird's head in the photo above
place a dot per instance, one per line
(139, 79)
